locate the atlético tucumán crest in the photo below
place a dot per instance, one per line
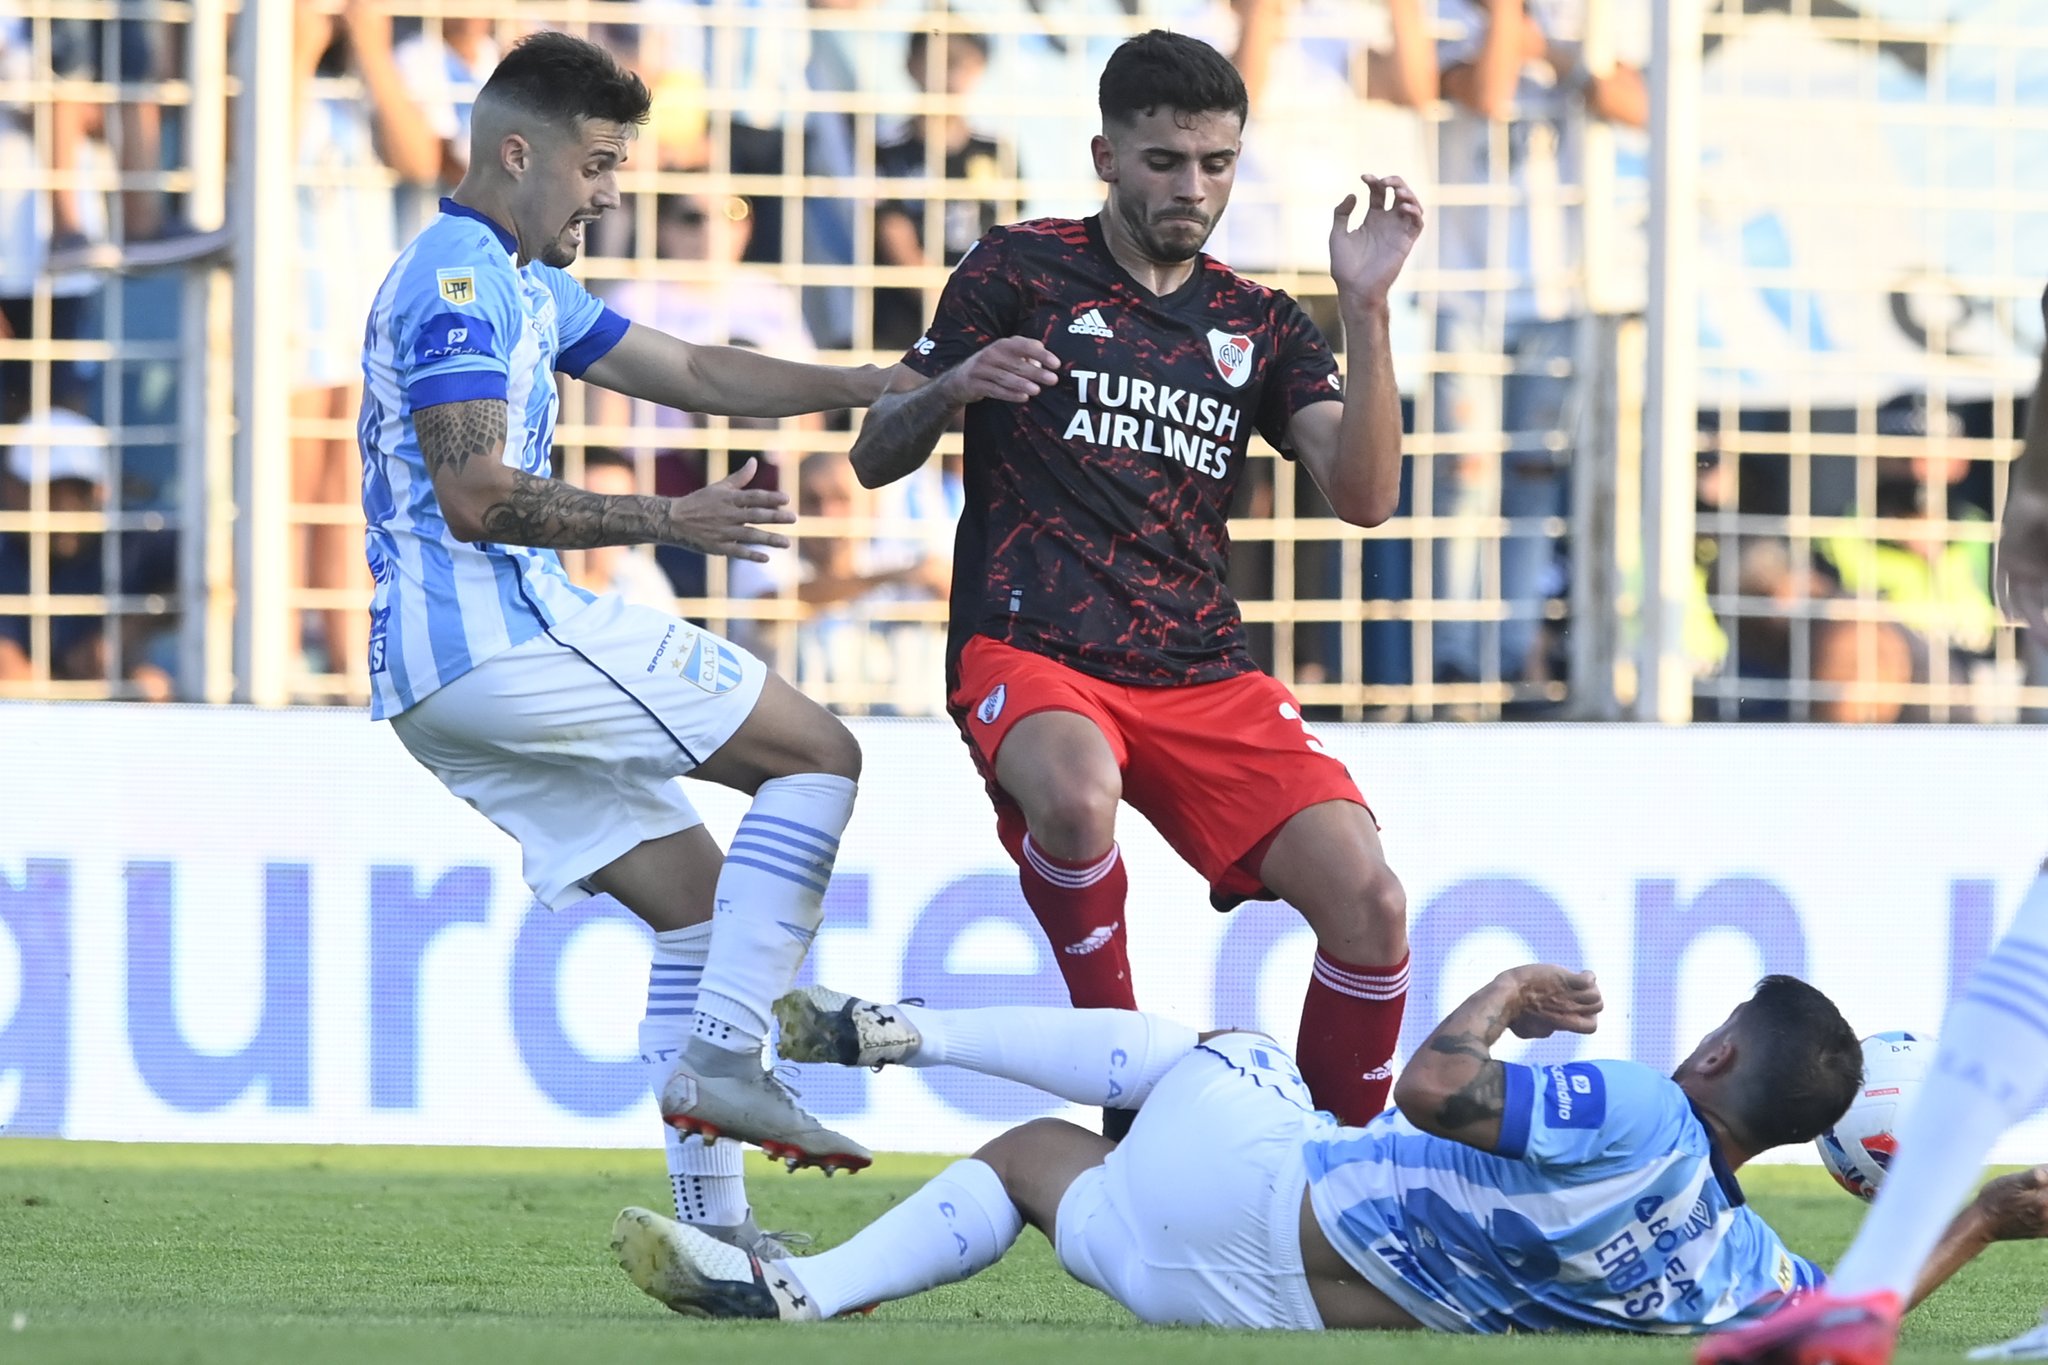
(1233, 356)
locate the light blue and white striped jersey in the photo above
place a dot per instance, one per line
(456, 319)
(1606, 1206)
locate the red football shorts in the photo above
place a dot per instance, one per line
(1218, 768)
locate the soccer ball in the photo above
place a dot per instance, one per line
(1858, 1150)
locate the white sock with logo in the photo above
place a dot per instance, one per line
(1112, 1058)
(1990, 1071)
(769, 902)
(960, 1223)
(707, 1181)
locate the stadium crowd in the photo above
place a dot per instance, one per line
(1486, 98)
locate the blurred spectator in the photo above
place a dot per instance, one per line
(1943, 618)
(628, 570)
(841, 577)
(1334, 86)
(736, 301)
(953, 67)
(739, 305)
(67, 455)
(28, 218)
(443, 66)
(351, 138)
(1515, 64)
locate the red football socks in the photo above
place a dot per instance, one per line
(1350, 1025)
(1081, 908)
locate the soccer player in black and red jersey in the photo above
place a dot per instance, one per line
(1112, 376)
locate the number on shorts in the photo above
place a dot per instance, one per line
(1288, 711)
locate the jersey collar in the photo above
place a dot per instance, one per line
(1724, 1174)
(505, 239)
(1195, 286)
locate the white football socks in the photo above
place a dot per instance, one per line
(1990, 1071)
(706, 1180)
(958, 1224)
(1108, 1057)
(770, 901)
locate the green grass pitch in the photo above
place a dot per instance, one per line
(305, 1255)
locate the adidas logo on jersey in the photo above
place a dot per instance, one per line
(1090, 324)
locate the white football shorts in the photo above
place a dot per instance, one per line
(572, 742)
(1196, 1216)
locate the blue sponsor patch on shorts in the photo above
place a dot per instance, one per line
(1574, 1096)
(447, 335)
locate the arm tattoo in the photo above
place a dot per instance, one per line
(1485, 1095)
(554, 515)
(899, 433)
(451, 434)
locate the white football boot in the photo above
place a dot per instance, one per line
(716, 1093)
(702, 1277)
(824, 1025)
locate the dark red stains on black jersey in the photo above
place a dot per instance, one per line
(1094, 530)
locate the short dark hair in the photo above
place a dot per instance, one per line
(920, 42)
(564, 80)
(1801, 1063)
(1162, 70)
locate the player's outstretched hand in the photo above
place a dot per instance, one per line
(1551, 998)
(2015, 1207)
(725, 518)
(1014, 369)
(1365, 259)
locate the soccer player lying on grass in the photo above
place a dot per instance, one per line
(1495, 1197)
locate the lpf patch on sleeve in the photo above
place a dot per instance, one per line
(457, 286)
(1574, 1096)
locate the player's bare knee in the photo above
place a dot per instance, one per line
(1383, 901)
(833, 749)
(1008, 1153)
(1076, 821)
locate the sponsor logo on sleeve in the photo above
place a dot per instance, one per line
(453, 334)
(1574, 1096)
(456, 285)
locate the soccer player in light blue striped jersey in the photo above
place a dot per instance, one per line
(566, 718)
(1494, 1198)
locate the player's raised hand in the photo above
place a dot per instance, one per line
(1365, 259)
(1550, 998)
(1014, 370)
(725, 518)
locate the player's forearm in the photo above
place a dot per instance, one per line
(729, 381)
(551, 515)
(1967, 1236)
(1453, 1086)
(900, 431)
(1366, 476)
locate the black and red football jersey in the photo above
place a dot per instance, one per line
(1095, 523)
